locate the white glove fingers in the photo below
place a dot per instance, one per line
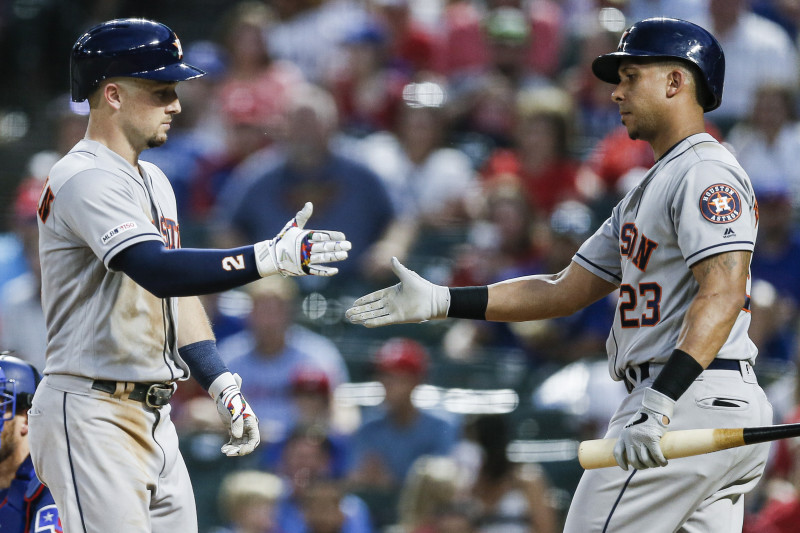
(319, 235)
(330, 246)
(326, 257)
(323, 271)
(371, 297)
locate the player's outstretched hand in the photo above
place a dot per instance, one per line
(236, 412)
(639, 444)
(296, 251)
(414, 299)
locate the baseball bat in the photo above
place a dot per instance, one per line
(684, 443)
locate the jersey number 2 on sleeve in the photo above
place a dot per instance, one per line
(628, 300)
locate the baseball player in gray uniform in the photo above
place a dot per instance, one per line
(677, 249)
(119, 294)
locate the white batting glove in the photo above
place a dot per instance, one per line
(639, 444)
(299, 252)
(234, 410)
(414, 299)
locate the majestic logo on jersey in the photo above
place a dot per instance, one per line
(47, 520)
(122, 228)
(720, 204)
(728, 233)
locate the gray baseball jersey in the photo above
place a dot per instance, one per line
(100, 323)
(696, 201)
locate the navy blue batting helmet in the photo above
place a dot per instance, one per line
(20, 380)
(670, 38)
(135, 48)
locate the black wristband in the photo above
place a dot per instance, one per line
(677, 375)
(468, 302)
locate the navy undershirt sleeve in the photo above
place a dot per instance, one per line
(186, 271)
(204, 361)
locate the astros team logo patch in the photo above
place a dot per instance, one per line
(720, 204)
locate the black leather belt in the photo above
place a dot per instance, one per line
(153, 395)
(644, 371)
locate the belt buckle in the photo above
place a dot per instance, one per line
(157, 395)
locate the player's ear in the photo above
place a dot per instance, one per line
(676, 81)
(23, 423)
(112, 94)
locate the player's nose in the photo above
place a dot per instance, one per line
(174, 107)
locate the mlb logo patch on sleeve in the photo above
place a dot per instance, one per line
(122, 228)
(720, 204)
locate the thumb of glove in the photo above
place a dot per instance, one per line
(238, 379)
(303, 215)
(399, 270)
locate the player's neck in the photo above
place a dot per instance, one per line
(113, 139)
(670, 136)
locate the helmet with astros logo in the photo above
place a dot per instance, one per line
(136, 48)
(669, 38)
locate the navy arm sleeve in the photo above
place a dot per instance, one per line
(186, 271)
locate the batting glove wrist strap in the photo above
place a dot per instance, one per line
(299, 252)
(414, 299)
(236, 413)
(639, 444)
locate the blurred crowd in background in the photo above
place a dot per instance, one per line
(469, 139)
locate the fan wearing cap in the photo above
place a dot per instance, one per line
(119, 294)
(387, 446)
(26, 505)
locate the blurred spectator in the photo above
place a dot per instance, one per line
(757, 51)
(306, 466)
(778, 243)
(410, 46)
(511, 498)
(272, 350)
(309, 33)
(431, 185)
(346, 194)
(482, 101)
(386, 447)
(540, 158)
(767, 144)
(465, 45)
(247, 500)
(366, 87)
(595, 111)
(252, 96)
(313, 398)
(432, 489)
(772, 322)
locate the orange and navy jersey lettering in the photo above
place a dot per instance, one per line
(45, 201)
(170, 231)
